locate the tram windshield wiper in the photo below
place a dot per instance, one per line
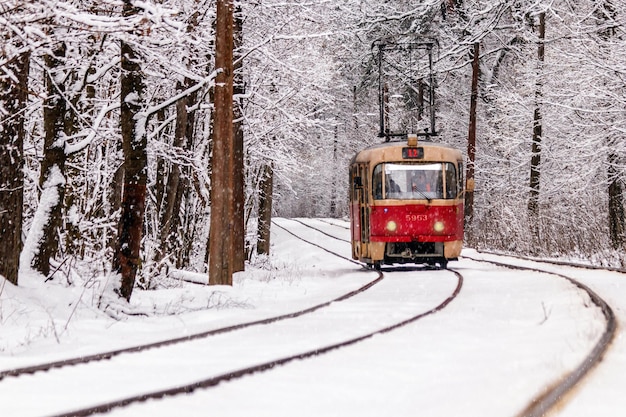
(423, 195)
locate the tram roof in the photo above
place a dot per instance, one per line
(370, 153)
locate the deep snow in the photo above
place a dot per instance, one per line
(500, 343)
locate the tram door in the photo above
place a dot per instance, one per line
(359, 211)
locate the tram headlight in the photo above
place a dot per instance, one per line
(391, 226)
(438, 227)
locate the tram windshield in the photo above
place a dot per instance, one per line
(415, 181)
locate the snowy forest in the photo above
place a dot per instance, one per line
(550, 154)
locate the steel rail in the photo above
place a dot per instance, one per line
(110, 354)
(324, 233)
(334, 224)
(557, 391)
(216, 380)
(556, 262)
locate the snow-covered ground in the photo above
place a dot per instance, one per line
(506, 337)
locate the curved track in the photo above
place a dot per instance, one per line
(110, 354)
(543, 403)
(558, 391)
(215, 380)
(556, 262)
(245, 370)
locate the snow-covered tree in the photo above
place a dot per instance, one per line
(16, 48)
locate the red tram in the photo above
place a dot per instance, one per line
(406, 203)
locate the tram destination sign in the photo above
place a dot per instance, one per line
(412, 153)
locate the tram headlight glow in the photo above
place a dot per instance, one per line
(391, 226)
(438, 227)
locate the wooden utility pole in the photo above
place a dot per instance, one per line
(222, 182)
(471, 139)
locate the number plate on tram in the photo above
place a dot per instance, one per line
(412, 153)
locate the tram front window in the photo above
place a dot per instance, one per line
(414, 182)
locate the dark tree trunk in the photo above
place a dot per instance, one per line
(238, 255)
(115, 200)
(220, 242)
(52, 177)
(13, 97)
(535, 162)
(170, 215)
(134, 143)
(333, 189)
(76, 184)
(471, 141)
(175, 216)
(189, 182)
(617, 221)
(266, 189)
(616, 204)
(161, 170)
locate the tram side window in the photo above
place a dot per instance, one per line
(461, 184)
(377, 182)
(451, 184)
(385, 186)
(395, 182)
(356, 181)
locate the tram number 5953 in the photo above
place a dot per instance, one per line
(416, 217)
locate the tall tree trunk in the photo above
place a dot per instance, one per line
(13, 97)
(220, 242)
(266, 188)
(333, 188)
(617, 221)
(43, 238)
(161, 169)
(471, 142)
(189, 182)
(535, 162)
(82, 94)
(134, 143)
(239, 235)
(616, 203)
(170, 219)
(115, 191)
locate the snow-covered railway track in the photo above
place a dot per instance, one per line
(316, 224)
(572, 264)
(238, 373)
(112, 353)
(558, 391)
(153, 371)
(201, 335)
